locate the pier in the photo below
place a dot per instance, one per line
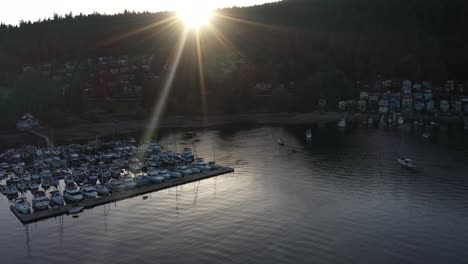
(90, 203)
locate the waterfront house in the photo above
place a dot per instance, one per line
(350, 105)
(364, 95)
(383, 106)
(418, 105)
(428, 94)
(406, 87)
(464, 101)
(444, 106)
(457, 106)
(449, 86)
(342, 105)
(361, 106)
(427, 85)
(373, 103)
(417, 87)
(430, 106)
(394, 101)
(407, 104)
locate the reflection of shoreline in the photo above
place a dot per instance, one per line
(87, 131)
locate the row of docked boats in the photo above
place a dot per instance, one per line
(90, 171)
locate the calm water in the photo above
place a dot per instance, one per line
(340, 199)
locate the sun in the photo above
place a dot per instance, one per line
(195, 14)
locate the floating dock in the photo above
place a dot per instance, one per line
(90, 203)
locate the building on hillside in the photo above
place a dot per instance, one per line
(407, 104)
(449, 86)
(361, 106)
(444, 106)
(406, 87)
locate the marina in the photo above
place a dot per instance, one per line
(90, 203)
(67, 179)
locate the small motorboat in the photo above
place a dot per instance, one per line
(102, 190)
(76, 209)
(56, 198)
(342, 123)
(202, 165)
(142, 180)
(33, 186)
(195, 169)
(72, 193)
(40, 201)
(184, 170)
(115, 185)
(22, 205)
(280, 142)
(89, 191)
(11, 189)
(400, 121)
(128, 181)
(426, 134)
(175, 174)
(406, 163)
(45, 184)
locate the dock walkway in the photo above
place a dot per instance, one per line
(90, 203)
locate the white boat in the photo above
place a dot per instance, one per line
(128, 181)
(400, 121)
(159, 178)
(151, 171)
(21, 187)
(195, 169)
(40, 201)
(342, 123)
(280, 142)
(33, 186)
(25, 177)
(72, 193)
(202, 165)
(45, 184)
(89, 191)
(213, 165)
(134, 167)
(11, 189)
(102, 190)
(46, 174)
(56, 198)
(143, 180)
(15, 179)
(406, 163)
(184, 170)
(175, 174)
(426, 134)
(22, 205)
(309, 134)
(115, 185)
(35, 177)
(4, 166)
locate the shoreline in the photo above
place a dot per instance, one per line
(86, 130)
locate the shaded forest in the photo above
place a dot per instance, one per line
(321, 45)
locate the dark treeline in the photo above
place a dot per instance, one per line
(398, 38)
(321, 45)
